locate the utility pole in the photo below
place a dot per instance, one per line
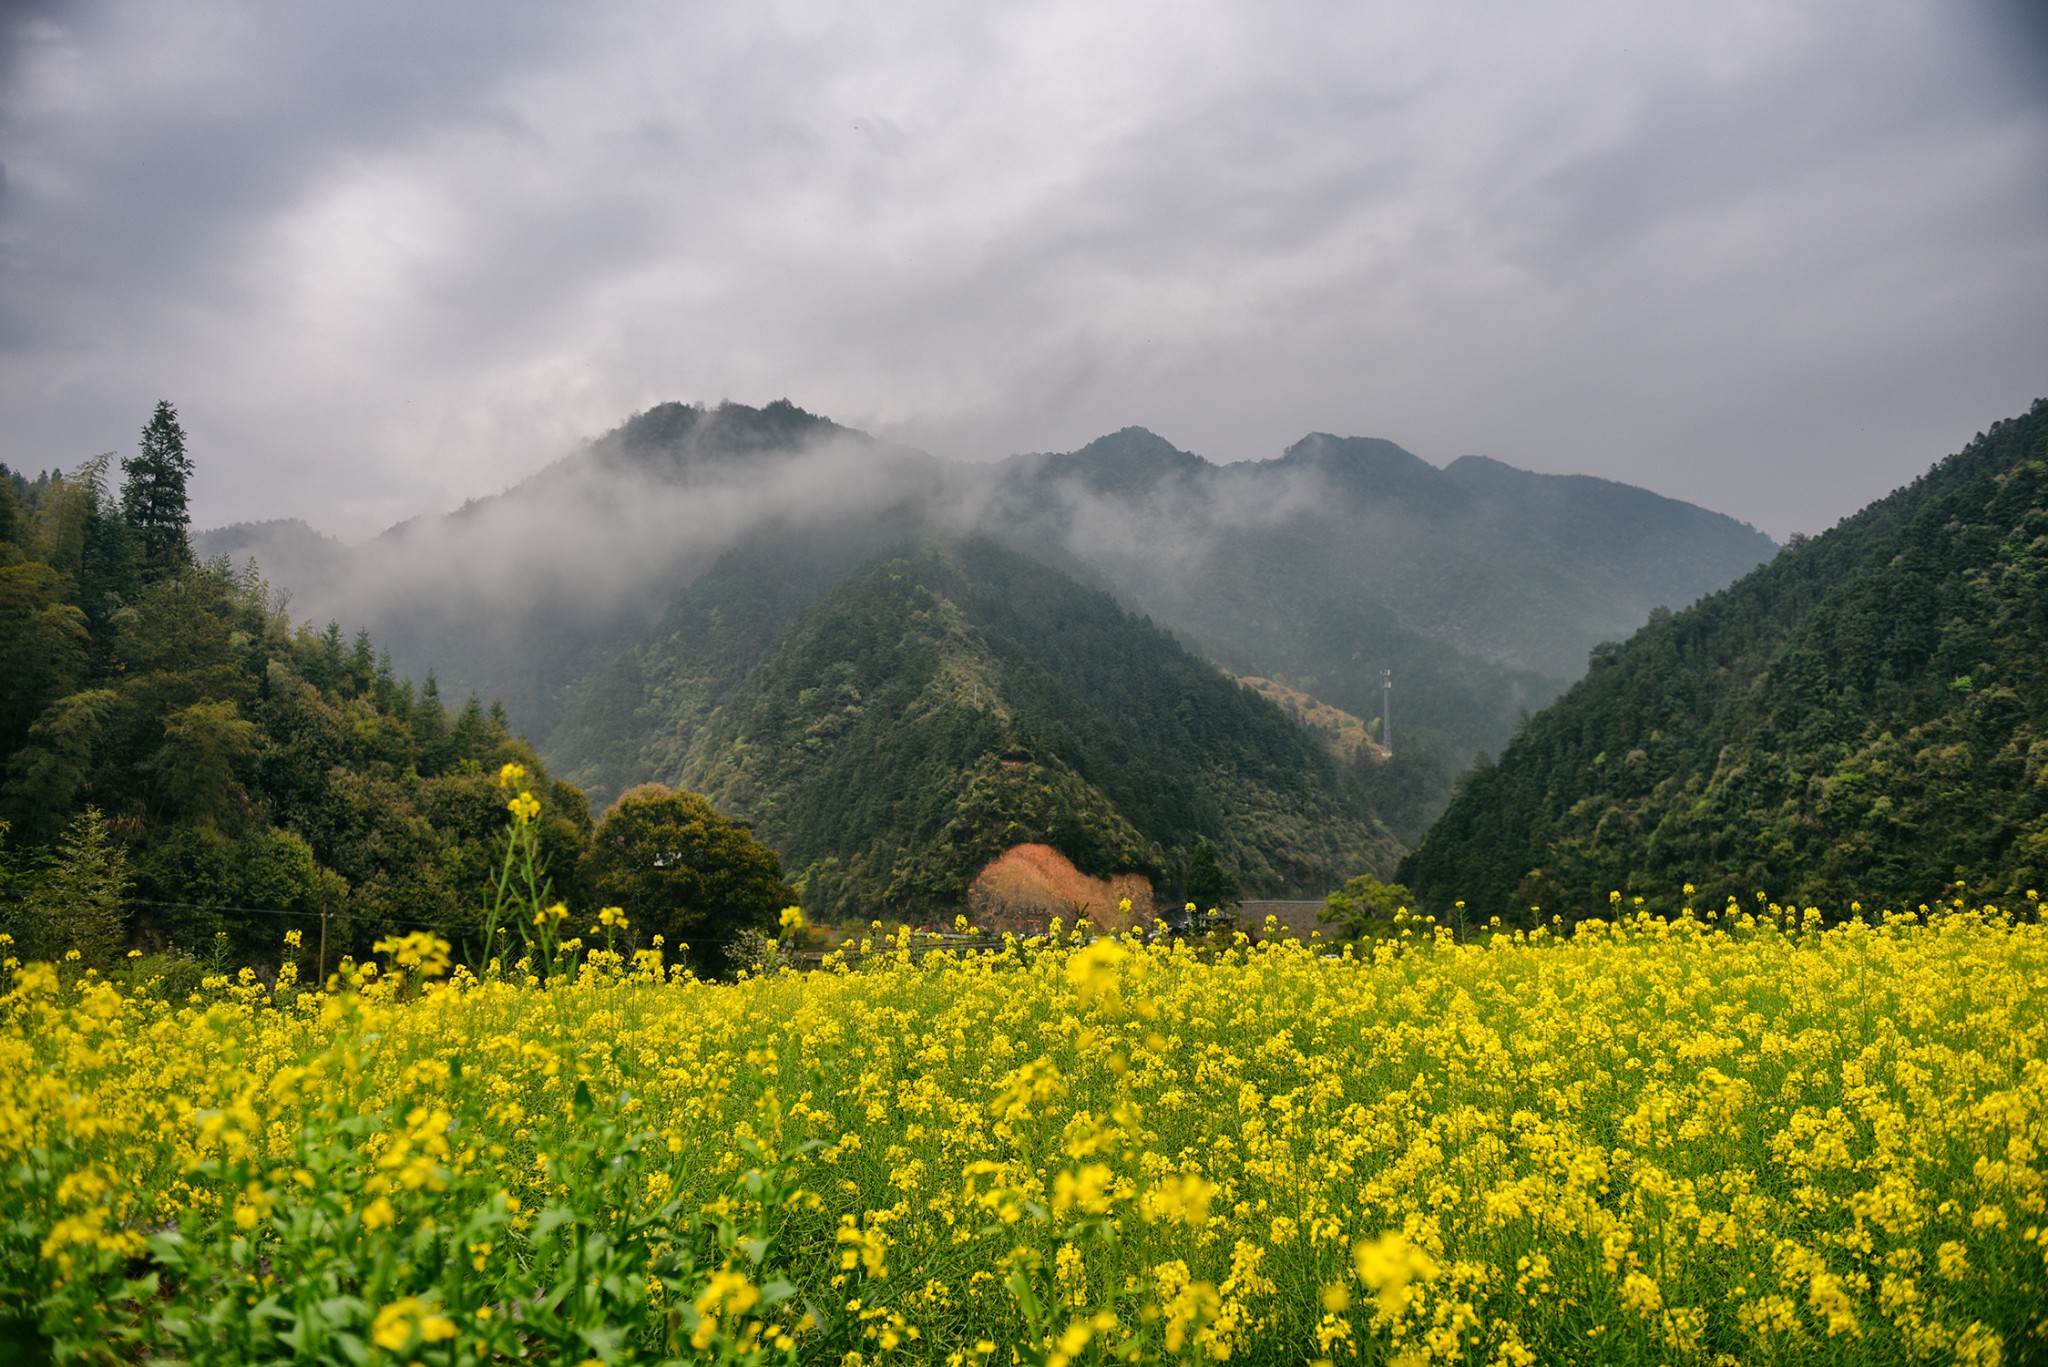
(1387, 711)
(323, 949)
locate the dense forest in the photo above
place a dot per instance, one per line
(894, 668)
(892, 704)
(1864, 717)
(893, 726)
(181, 762)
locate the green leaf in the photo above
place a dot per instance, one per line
(341, 1309)
(606, 1342)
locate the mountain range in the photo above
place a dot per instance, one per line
(672, 603)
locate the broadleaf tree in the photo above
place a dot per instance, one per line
(685, 871)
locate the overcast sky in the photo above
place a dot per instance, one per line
(1773, 257)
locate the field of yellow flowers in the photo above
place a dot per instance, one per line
(1721, 1139)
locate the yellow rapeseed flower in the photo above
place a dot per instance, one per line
(1388, 1266)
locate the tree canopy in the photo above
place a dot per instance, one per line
(173, 746)
(685, 872)
(1365, 904)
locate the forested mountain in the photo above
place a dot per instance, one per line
(179, 760)
(1481, 587)
(892, 722)
(1863, 718)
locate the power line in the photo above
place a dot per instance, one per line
(275, 911)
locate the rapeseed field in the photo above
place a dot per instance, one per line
(1732, 1139)
(1738, 1137)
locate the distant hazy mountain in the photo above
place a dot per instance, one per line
(1522, 569)
(1481, 587)
(894, 729)
(1864, 718)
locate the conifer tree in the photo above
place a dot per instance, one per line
(77, 904)
(13, 525)
(362, 664)
(153, 496)
(1210, 886)
(109, 555)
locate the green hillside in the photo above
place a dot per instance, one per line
(178, 760)
(1861, 718)
(893, 732)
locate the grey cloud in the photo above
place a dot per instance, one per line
(386, 257)
(163, 175)
(2015, 35)
(1703, 142)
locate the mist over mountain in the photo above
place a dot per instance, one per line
(1481, 587)
(519, 595)
(1864, 717)
(1520, 569)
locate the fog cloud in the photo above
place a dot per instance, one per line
(1771, 258)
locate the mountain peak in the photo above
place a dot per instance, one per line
(1130, 460)
(1372, 466)
(1133, 443)
(673, 436)
(1372, 453)
(1329, 443)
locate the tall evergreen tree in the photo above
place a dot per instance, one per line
(1210, 886)
(109, 552)
(13, 525)
(153, 496)
(76, 905)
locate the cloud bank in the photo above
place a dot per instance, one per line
(1770, 258)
